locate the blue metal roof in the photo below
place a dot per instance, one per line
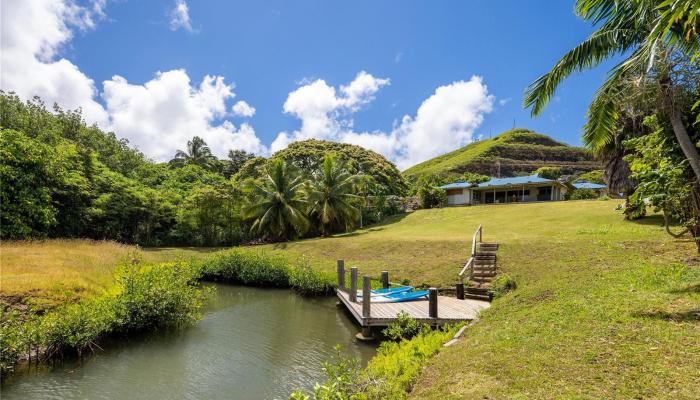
(493, 182)
(588, 185)
(457, 185)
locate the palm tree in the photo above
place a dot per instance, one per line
(331, 196)
(197, 153)
(276, 203)
(651, 34)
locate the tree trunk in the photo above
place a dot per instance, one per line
(674, 115)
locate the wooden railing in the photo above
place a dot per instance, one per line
(468, 268)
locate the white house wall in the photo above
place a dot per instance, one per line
(459, 199)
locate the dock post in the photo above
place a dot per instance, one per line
(460, 291)
(433, 302)
(341, 274)
(385, 279)
(366, 296)
(353, 284)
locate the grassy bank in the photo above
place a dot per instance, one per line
(45, 274)
(604, 308)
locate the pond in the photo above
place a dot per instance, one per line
(251, 344)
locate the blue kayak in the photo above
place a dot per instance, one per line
(398, 297)
(387, 291)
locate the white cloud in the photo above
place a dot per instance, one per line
(180, 16)
(160, 116)
(28, 58)
(503, 102)
(243, 109)
(443, 122)
(398, 57)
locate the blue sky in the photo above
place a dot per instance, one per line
(265, 50)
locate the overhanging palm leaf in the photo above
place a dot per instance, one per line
(653, 31)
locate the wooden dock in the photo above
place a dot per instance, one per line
(435, 310)
(449, 310)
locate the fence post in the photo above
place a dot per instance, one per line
(353, 284)
(366, 296)
(432, 302)
(460, 291)
(341, 274)
(385, 279)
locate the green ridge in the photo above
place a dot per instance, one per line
(520, 151)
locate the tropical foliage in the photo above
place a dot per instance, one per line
(62, 178)
(333, 202)
(277, 203)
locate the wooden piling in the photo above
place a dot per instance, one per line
(385, 279)
(366, 296)
(341, 274)
(353, 284)
(460, 291)
(433, 302)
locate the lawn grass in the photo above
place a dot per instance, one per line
(604, 308)
(44, 274)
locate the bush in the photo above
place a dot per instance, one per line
(583, 194)
(389, 375)
(145, 297)
(503, 284)
(404, 328)
(309, 282)
(432, 197)
(266, 270)
(247, 267)
(604, 197)
(549, 172)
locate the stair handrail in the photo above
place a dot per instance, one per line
(469, 266)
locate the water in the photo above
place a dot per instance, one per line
(251, 344)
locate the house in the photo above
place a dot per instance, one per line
(596, 187)
(505, 190)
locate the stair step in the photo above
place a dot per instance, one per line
(482, 297)
(476, 290)
(482, 279)
(484, 244)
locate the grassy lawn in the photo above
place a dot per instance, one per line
(44, 274)
(604, 308)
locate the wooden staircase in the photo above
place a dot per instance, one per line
(483, 271)
(480, 269)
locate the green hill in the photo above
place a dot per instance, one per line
(518, 151)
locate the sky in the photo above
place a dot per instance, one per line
(408, 79)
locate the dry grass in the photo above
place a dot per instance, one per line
(42, 274)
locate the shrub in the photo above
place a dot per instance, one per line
(405, 327)
(432, 197)
(549, 172)
(391, 373)
(266, 270)
(604, 197)
(309, 282)
(583, 194)
(247, 267)
(503, 284)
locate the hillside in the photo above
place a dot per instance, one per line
(519, 151)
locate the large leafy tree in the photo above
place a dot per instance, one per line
(197, 153)
(332, 197)
(276, 203)
(236, 160)
(650, 34)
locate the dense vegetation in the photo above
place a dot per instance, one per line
(643, 120)
(515, 152)
(62, 178)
